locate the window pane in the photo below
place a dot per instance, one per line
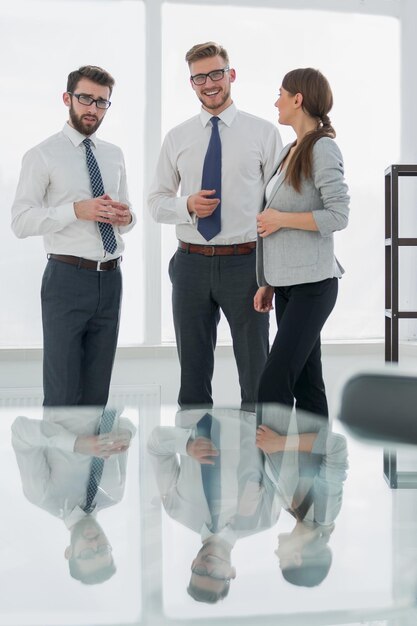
(360, 75)
(43, 41)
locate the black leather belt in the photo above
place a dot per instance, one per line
(87, 264)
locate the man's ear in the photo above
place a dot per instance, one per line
(67, 99)
(68, 553)
(232, 75)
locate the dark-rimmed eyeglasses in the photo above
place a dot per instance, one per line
(88, 100)
(215, 75)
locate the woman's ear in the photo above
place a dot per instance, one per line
(298, 100)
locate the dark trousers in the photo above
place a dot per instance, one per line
(80, 316)
(293, 371)
(201, 286)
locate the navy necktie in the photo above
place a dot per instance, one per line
(106, 230)
(97, 463)
(210, 226)
(210, 474)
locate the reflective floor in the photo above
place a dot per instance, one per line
(163, 517)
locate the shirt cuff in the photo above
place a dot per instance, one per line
(182, 211)
(66, 213)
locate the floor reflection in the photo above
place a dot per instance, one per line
(170, 517)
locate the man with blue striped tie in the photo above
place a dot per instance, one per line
(72, 190)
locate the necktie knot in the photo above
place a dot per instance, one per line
(87, 142)
(214, 120)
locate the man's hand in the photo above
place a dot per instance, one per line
(201, 449)
(104, 445)
(201, 204)
(103, 209)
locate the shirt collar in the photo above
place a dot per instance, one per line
(227, 116)
(74, 516)
(77, 138)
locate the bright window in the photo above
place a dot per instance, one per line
(43, 41)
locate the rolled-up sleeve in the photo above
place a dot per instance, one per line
(328, 176)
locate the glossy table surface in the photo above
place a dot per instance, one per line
(351, 554)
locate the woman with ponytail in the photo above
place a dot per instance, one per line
(306, 201)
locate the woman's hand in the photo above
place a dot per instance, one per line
(262, 300)
(268, 440)
(269, 221)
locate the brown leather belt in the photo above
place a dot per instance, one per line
(237, 248)
(87, 264)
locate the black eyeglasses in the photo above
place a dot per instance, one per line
(215, 75)
(89, 553)
(217, 568)
(87, 100)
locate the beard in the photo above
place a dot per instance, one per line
(80, 125)
(217, 104)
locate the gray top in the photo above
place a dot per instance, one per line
(290, 256)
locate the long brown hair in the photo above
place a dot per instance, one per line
(317, 102)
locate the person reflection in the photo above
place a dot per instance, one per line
(210, 478)
(308, 465)
(72, 464)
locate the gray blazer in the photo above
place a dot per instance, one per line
(290, 256)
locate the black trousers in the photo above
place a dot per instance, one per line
(80, 317)
(201, 287)
(293, 371)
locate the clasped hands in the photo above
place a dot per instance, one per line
(104, 445)
(103, 209)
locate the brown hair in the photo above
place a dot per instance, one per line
(317, 102)
(206, 50)
(92, 72)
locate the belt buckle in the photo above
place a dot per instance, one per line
(98, 268)
(213, 250)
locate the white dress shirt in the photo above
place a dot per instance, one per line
(54, 175)
(179, 479)
(54, 477)
(250, 149)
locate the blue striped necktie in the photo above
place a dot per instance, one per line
(97, 463)
(210, 226)
(106, 230)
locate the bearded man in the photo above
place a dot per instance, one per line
(72, 191)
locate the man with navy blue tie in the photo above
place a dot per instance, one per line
(221, 160)
(72, 190)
